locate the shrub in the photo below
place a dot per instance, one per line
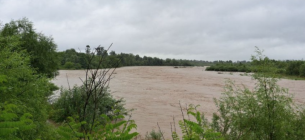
(153, 135)
(196, 130)
(267, 112)
(71, 102)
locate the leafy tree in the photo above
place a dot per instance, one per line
(42, 49)
(69, 65)
(24, 89)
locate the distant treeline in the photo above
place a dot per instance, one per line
(71, 59)
(281, 67)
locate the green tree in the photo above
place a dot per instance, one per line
(24, 89)
(69, 65)
(41, 48)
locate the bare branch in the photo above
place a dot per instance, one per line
(184, 120)
(68, 81)
(160, 131)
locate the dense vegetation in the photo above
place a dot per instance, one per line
(267, 112)
(24, 83)
(280, 68)
(41, 49)
(28, 61)
(71, 59)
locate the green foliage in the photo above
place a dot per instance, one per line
(231, 67)
(196, 130)
(115, 128)
(27, 58)
(70, 130)
(294, 67)
(69, 65)
(11, 125)
(288, 69)
(97, 115)
(3, 79)
(71, 102)
(302, 70)
(70, 59)
(22, 86)
(153, 135)
(267, 112)
(42, 49)
(299, 125)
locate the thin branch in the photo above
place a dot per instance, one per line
(68, 81)
(171, 129)
(184, 120)
(160, 131)
(127, 123)
(174, 123)
(188, 115)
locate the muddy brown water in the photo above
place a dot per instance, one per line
(155, 92)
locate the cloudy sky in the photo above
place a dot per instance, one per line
(183, 29)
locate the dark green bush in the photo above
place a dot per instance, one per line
(71, 102)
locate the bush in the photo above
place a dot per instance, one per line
(195, 130)
(153, 135)
(71, 102)
(267, 112)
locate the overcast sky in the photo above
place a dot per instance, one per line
(183, 29)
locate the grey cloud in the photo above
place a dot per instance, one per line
(196, 29)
